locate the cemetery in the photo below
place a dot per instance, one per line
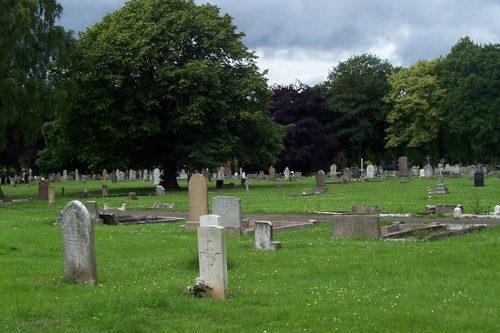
(204, 258)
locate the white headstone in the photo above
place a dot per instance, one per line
(206, 220)
(213, 261)
(370, 171)
(286, 174)
(156, 177)
(78, 244)
(263, 236)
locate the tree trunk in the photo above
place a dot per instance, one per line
(169, 179)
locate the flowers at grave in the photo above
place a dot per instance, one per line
(199, 288)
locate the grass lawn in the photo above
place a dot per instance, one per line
(313, 284)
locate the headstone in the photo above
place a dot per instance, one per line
(348, 226)
(220, 174)
(183, 175)
(370, 171)
(496, 210)
(58, 177)
(472, 169)
(230, 211)
(43, 189)
(51, 194)
(422, 173)
(160, 191)
(65, 175)
(428, 171)
(104, 191)
(272, 174)
(356, 173)
(78, 244)
(131, 174)
(156, 177)
(212, 259)
(263, 236)
(347, 175)
(93, 211)
(86, 193)
(207, 220)
(333, 172)
(206, 175)
(403, 169)
(286, 174)
(415, 171)
(77, 175)
(478, 179)
(198, 197)
(132, 196)
(320, 179)
(114, 178)
(104, 174)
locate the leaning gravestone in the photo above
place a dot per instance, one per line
(78, 244)
(198, 197)
(230, 211)
(272, 174)
(212, 260)
(263, 236)
(43, 189)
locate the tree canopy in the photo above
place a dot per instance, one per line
(354, 92)
(165, 83)
(32, 48)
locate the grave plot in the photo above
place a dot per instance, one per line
(112, 219)
(431, 232)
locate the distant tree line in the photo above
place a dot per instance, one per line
(169, 83)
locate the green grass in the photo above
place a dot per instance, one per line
(313, 284)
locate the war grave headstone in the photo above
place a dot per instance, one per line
(263, 236)
(78, 244)
(272, 174)
(231, 213)
(213, 260)
(198, 200)
(286, 174)
(43, 189)
(346, 175)
(370, 171)
(403, 169)
(348, 226)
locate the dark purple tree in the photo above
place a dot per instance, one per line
(311, 143)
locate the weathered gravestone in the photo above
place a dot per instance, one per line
(428, 171)
(347, 175)
(156, 177)
(77, 175)
(43, 189)
(51, 194)
(212, 260)
(263, 236)
(403, 169)
(286, 174)
(230, 211)
(471, 170)
(370, 171)
(272, 174)
(104, 174)
(160, 191)
(104, 191)
(113, 177)
(93, 212)
(356, 173)
(333, 172)
(198, 199)
(348, 226)
(78, 244)
(320, 179)
(65, 175)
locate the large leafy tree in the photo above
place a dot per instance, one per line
(471, 75)
(416, 119)
(310, 143)
(166, 83)
(32, 48)
(354, 92)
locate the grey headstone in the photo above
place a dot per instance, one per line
(263, 236)
(403, 168)
(78, 244)
(272, 174)
(230, 211)
(428, 171)
(320, 179)
(43, 189)
(347, 175)
(286, 174)
(348, 226)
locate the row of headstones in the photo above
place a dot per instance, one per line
(80, 264)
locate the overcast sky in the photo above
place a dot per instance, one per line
(304, 39)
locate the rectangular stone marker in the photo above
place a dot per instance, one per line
(78, 244)
(403, 169)
(347, 175)
(213, 261)
(263, 236)
(104, 191)
(198, 197)
(43, 189)
(51, 194)
(230, 211)
(348, 226)
(272, 174)
(333, 172)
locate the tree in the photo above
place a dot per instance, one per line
(354, 92)
(310, 143)
(31, 48)
(416, 119)
(167, 83)
(471, 75)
